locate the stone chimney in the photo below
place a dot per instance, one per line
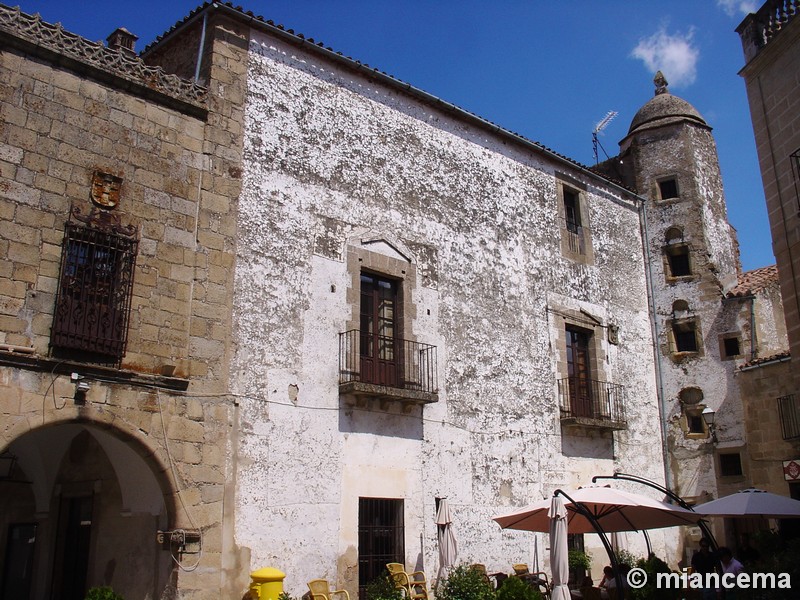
(122, 39)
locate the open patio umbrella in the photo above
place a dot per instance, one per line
(613, 509)
(448, 549)
(752, 503)
(559, 553)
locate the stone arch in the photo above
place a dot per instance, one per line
(680, 306)
(673, 235)
(93, 480)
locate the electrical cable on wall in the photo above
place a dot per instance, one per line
(180, 497)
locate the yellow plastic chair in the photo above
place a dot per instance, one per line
(414, 585)
(321, 590)
(539, 579)
(480, 568)
(520, 569)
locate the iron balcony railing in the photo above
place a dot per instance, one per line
(387, 361)
(790, 416)
(590, 399)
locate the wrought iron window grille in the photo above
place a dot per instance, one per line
(93, 301)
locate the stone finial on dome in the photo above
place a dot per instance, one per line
(661, 83)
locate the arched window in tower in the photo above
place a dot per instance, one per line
(684, 331)
(677, 260)
(694, 426)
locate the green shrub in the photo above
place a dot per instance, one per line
(579, 560)
(626, 557)
(515, 588)
(652, 566)
(102, 593)
(777, 556)
(464, 583)
(382, 588)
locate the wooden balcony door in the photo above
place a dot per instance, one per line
(379, 344)
(578, 370)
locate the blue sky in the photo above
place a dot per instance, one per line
(546, 70)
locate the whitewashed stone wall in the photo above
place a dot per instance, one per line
(335, 165)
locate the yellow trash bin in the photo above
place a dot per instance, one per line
(267, 583)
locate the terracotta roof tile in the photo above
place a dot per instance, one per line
(780, 356)
(753, 281)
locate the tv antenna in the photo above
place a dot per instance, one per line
(601, 125)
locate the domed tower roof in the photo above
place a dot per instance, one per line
(663, 109)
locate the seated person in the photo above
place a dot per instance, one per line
(608, 575)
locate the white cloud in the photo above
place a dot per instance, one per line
(731, 7)
(673, 55)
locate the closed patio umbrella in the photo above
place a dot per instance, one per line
(448, 548)
(613, 509)
(752, 503)
(559, 553)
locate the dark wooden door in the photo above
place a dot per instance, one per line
(72, 549)
(18, 569)
(580, 385)
(379, 345)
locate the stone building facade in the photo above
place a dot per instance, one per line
(336, 301)
(771, 43)
(118, 188)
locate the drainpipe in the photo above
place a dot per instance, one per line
(753, 339)
(201, 47)
(662, 408)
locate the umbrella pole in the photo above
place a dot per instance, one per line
(666, 491)
(600, 532)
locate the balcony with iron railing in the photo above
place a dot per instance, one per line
(591, 403)
(386, 368)
(789, 411)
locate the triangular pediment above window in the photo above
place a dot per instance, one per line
(391, 248)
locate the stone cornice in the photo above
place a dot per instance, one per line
(31, 34)
(34, 362)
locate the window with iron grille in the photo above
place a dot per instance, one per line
(685, 336)
(678, 260)
(730, 465)
(92, 306)
(381, 538)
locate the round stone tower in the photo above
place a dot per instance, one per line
(669, 156)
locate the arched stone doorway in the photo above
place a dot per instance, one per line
(81, 508)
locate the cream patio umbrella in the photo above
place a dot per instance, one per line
(752, 503)
(448, 548)
(559, 553)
